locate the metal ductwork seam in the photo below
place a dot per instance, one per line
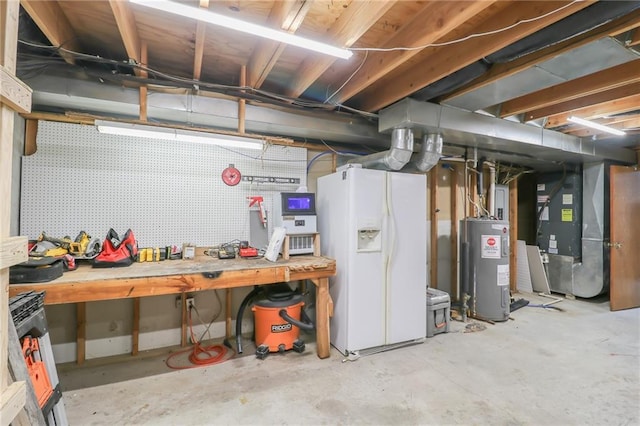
(395, 158)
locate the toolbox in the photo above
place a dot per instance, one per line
(438, 312)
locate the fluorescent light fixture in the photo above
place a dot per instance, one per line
(204, 15)
(596, 126)
(178, 135)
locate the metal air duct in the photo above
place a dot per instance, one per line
(429, 155)
(395, 158)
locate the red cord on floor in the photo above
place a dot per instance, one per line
(200, 355)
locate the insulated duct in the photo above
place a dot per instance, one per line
(429, 155)
(591, 275)
(395, 158)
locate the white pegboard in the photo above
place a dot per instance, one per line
(166, 192)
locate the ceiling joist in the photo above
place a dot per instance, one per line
(584, 101)
(600, 81)
(348, 28)
(128, 30)
(54, 24)
(444, 16)
(507, 69)
(439, 62)
(286, 15)
(635, 39)
(619, 106)
(199, 47)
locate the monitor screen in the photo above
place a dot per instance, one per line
(299, 203)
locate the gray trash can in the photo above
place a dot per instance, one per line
(438, 312)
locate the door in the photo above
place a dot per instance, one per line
(625, 237)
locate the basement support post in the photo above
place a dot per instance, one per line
(242, 102)
(513, 235)
(454, 232)
(433, 217)
(81, 331)
(15, 96)
(143, 88)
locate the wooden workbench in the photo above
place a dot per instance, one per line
(88, 284)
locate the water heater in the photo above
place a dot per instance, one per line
(487, 267)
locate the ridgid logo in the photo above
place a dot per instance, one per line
(280, 328)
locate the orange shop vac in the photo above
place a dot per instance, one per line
(278, 318)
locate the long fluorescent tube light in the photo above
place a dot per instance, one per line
(596, 126)
(204, 15)
(178, 135)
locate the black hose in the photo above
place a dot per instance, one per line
(301, 325)
(243, 306)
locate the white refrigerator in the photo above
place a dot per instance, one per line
(374, 223)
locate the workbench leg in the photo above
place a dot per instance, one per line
(227, 311)
(324, 310)
(81, 331)
(183, 327)
(135, 333)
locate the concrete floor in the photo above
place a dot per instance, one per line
(579, 366)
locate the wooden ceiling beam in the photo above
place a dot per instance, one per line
(287, 15)
(441, 61)
(506, 69)
(199, 47)
(436, 19)
(635, 39)
(348, 28)
(619, 106)
(54, 24)
(610, 78)
(584, 101)
(128, 30)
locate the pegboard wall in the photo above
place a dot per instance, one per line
(166, 192)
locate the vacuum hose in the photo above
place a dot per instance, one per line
(243, 306)
(301, 325)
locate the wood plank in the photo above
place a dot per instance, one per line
(19, 373)
(286, 15)
(618, 106)
(241, 101)
(52, 21)
(30, 137)
(323, 313)
(584, 101)
(13, 92)
(81, 331)
(184, 320)
(201, 32)
(503, 70)
(358, 17)
(455, 219)
(135, 331)
(447, 14)
(13, 250)
(143, 89)
(439, 62)
(9, 11)
(128, 29)
(513, 235)
(12, 401)
(610, 78)
(433, 218)
(227, 309)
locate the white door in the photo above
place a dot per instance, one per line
(407, 250)
(365, 267)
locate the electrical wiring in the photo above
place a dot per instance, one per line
(200, 355)
(341, 153)
(366, 54)
(470, 36)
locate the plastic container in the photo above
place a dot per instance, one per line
(438, 312)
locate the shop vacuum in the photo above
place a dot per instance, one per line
(277, 319)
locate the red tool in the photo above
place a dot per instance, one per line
(263, 214)
(37, 371)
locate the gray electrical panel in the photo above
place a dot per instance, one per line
(559, 213)
(488, 267)
(501, 203)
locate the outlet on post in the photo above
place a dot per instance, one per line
(191, 302)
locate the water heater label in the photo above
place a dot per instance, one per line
(503, 275)
(491, 247)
